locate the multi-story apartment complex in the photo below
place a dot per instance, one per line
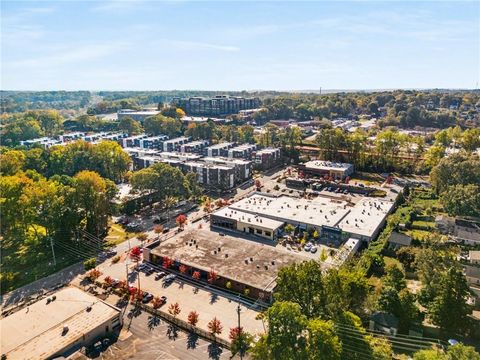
(194, 146)
(175, 144)
(267, 158)
(243, 151)
(212, 176)
(219, 149)
(218, 105)
(132, 141)
(243, 168)
(153, 142)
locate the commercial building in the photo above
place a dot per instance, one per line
(335, 220)
(211, 176)
(267, 158)
(230, 219)
(250, 270)
(243, 168)
(322, 168)
(243, 151)
(219, 149)
(175, 144)
(194, 146)
(138, 115)
(218, 105)
(57, 326)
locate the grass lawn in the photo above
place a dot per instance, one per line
(392, 261)
(23, 263)
(117, 234)
(419, 235)
(368, 178)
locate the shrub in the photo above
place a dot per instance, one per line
(90, 264)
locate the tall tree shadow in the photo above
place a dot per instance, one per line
(214, 351)
(213, 298)
(153, 321)
(192, 340)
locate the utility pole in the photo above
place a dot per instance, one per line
(126, 268)
(239, 330)
(53, 251)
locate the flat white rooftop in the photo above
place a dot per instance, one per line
(225, 160)
(221, 145)
(317, 212)
(35, 332)
(366, 216)
(327, 165)
(363, 219)
(249, 218)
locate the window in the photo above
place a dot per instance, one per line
(268, 233)
(259, 231)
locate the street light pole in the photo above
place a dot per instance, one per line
(239, 330)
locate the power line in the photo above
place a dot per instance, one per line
(397, 344)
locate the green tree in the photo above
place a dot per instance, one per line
(302, 284)
(455, 352)
(462, 200)
(11, 162)
(93, 196)
(449, 309)
(322, 343)
(285, 338)
(130, 126)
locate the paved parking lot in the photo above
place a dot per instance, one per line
(207, 302)
(150, 340)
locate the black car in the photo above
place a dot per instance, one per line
(147, 297)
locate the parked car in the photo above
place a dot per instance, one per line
(169, 278)
(307, 247)
(221, 234)
(165, 230)
(133, 226)
(313, 249)
(147, 297)
(164, 299)
(160, 275)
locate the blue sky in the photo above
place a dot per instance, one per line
(160, 45)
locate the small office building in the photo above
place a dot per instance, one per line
(320, 168)
(57, 326)
(230, 219)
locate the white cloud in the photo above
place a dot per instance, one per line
(116, 5)
(72, 55)
(193, 45)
